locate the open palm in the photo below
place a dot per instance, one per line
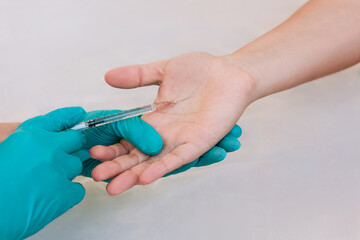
(214, 93)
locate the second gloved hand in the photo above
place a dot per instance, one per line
(122, 136)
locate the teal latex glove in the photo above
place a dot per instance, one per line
(36, 172)
(147, 140)
(136, 131)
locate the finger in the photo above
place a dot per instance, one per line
(59, 119)
(72, 166)
(178, 157)
(127, 179)
(101, 135)
(69, 196)
(83, 155)
(120, 164)
(75, 194)
(214, 155)
(122, 183)
(141, 134)
(70, 141)
(136, 75)
(236, 131)
(229, 143)
(182, 168)
(107, 153)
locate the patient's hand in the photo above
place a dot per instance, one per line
(215, 93)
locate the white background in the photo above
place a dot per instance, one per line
(297, 174)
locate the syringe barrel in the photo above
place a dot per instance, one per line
(121, 115)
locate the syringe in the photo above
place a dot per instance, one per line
(96, 122)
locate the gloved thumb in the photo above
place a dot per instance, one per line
(58, 120)
(139, 133)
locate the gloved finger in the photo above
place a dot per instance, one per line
(229, 143)
(70, 141)
(139, 133)
(236, 131)
(72, 166)
(64, 118)
(69, 195)
(214, 155)
(83, 155)
(75, 194)
(58, 120)
(102, 135)
(183, 168)
(88, 166)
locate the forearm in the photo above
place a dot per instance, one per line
(6, 129)
(321, 38)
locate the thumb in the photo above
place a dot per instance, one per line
(140, 134)
(76, 193)
(136, 75)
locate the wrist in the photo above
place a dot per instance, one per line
(6, 129)
(247, 71)
(269, 67)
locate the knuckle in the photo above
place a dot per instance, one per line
(179, 157)
(134, 157)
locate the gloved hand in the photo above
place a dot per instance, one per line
(36, 172)
(136, 131)
(147, 140)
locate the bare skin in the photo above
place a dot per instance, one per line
(190, 128)
(321, 38)
(6, 129)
